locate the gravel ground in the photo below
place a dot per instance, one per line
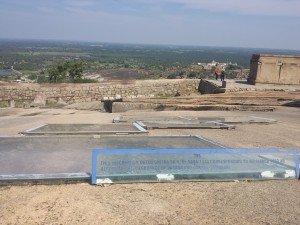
(269, 202)
(261, 202)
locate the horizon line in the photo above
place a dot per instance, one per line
(149, 44)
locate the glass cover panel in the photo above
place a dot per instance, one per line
(156, 165)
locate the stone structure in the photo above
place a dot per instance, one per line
(275, 69)
(211, 86)
(36, 94)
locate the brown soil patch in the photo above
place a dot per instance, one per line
(272, 202)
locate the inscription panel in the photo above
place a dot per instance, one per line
(151, 165)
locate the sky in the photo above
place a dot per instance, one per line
(230, 23)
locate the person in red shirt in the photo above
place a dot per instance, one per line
(217, 73)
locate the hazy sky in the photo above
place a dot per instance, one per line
(238, 23)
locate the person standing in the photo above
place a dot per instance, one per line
(217, 73)
(223, 75)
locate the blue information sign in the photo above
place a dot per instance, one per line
(163, 165)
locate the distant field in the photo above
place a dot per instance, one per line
(123, 74)
(122, 61)
(72, 54)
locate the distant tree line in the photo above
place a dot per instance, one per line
(65, 62)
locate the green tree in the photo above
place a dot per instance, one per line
(58, 73)
(75, 69)
(54, 75)
(172, 76)
(192, 74)
(42, 79)
(233, 67)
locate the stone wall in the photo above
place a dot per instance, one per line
(275, 69)
(75, 93)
